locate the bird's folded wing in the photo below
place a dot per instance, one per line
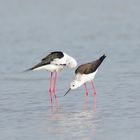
(59, 61)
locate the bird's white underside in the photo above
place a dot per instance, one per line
(83, 78)
(80, 79)
(51, 68)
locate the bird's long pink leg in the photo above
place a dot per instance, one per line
(86, 89)
(50, 90)
(94, 95)
(54, 88)
(93, 87)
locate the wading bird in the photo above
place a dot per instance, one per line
(55, 62)
(86, 73)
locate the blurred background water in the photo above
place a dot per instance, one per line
(85, 29)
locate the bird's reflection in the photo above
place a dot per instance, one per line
(86, 103)
(57, 105)
(94, 102)
(54, 104)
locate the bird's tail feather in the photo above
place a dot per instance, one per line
(102, 57)
(30, 69)
(33, 68)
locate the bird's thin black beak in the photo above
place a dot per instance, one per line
(67, 91)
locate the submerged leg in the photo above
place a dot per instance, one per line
(86, 89)
(94, 95)
(86, 103)
(93, 87)
(95, 103)
(54, 88)
(50, 90)
(57, 105)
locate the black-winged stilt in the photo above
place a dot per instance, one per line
(86, 73)
(55, 62)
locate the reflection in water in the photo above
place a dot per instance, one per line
(55, 105)
(86, 102)
(52, 106)
(73, 123)
(94, 102)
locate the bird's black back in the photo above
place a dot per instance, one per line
(90, 67)
(48, 59)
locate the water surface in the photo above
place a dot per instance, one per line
(85, 29)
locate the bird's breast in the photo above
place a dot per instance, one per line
(87, 77)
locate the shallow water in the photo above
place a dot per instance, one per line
(86, 30)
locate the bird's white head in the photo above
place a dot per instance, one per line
(71, 62)
(74, 85)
